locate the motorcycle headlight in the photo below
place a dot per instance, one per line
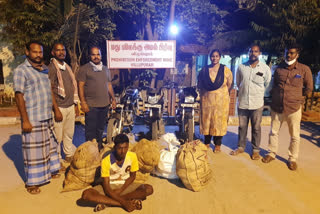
(153, 99)
(189, 99)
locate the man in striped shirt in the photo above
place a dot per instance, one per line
(34, 100)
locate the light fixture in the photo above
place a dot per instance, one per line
(174, 30)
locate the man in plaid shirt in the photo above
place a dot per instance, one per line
(34, 100)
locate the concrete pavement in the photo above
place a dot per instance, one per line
(240, 185)
(10, 142)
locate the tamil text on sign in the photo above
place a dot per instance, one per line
(141, 54)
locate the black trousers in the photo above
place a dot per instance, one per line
(95, 121)
(216, 139)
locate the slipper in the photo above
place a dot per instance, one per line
(255, 156)
(99, 207)
(137, 203)
(62, 169)
(217, 149)
(54, 176)
(267, 159)
(33, 190)
(292, 165)
(237, 151)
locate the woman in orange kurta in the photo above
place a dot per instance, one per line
(214, 83)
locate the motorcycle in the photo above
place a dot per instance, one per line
(185, 112)
(124, 113)
(153, 114)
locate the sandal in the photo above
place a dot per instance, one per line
(237, 151)
(33, 190)
(54, 176)
(217, 149)
(99, 207)
(62, 169)
(267, 159)
(137, 203)
(292, 165)
(255, 156)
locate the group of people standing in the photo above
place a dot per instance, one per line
(47, 98)
(291, 82)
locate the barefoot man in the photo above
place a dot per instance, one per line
(118, 171)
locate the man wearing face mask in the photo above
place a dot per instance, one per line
(253, 77)
(95, 90)
(292, 80)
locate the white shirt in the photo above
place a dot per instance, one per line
(252, 83)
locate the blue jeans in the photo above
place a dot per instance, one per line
(255, 116)
(95, 121)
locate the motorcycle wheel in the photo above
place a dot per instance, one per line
(113, 129)
(190, 129)
(154, 130)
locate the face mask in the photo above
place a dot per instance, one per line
(96, 67)
(291, 62)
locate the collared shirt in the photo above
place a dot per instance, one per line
(96, 89)
(289, 86)
(36, 89)
(252, 83)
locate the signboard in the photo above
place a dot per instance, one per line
(141, 54)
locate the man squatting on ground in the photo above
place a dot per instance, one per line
(291, 81)
(95, 90)
(65, 91)
(253, 78)
(34, 100)
(118, 171)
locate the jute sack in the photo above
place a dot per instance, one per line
(83, 167)
(141, 177)
(107, 149)
(148, 154)
(192, 165)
